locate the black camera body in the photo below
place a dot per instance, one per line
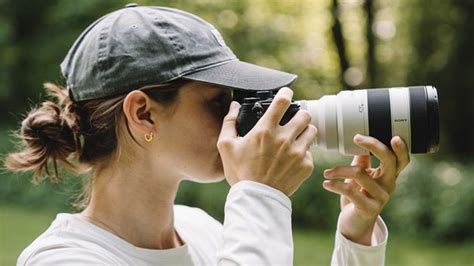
(253, 108)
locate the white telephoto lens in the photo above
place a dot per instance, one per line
(338, 119)
(408, 112)
(352, 119)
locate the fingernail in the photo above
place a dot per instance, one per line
(327, 184)
(357, 137)
(327, 172)
(398, 141)
(234, 104)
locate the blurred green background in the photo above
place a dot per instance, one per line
(331, 45)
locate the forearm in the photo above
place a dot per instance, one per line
(257, 227)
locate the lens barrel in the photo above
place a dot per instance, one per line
(409, 112)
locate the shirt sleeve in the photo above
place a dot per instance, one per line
(257, 226)
(348, 253)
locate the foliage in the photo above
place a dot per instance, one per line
(386, 43)
(434, 200)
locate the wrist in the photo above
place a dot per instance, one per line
(358, 233)
(359, 238)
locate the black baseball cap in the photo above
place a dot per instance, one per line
(139, 46)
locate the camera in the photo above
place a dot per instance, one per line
(409, 112)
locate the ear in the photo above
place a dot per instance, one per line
(137, 108)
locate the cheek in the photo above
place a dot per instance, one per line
(191, 142)
(198, 135)
(207, 132)
(204, 141)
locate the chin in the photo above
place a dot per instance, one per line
(208, 179)
(214, 174)
(213, 179)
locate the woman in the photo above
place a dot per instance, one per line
(147, 106)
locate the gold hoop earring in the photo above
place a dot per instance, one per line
(149, 137)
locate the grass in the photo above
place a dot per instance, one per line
(19, 226)
(315, 248)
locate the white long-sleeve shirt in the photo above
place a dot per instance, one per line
(256, 231)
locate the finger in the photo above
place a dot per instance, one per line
(401, 151)
(309, 161)
(360, 176)
(348, 191)
(352, 183)
(308, 156)
(228, 125)
(361, 161)
(377, 148)
(298, 123)
(306, 139)
(277, 108)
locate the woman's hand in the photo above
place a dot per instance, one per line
(271, 154)
(366, 190)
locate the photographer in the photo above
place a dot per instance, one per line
(146, 107)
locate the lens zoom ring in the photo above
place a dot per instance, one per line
(380, 120)
(419, 120)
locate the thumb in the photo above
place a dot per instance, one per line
(229, 123)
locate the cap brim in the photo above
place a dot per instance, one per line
(244, 76)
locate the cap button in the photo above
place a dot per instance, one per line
(132, 5)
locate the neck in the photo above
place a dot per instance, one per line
(136, 206)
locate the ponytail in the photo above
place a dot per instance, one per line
(50, 135)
